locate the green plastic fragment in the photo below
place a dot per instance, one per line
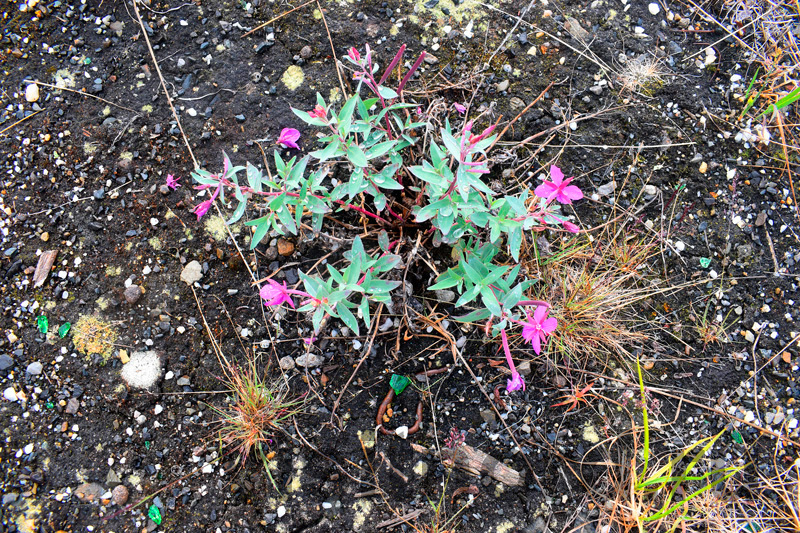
(147, 444)
(64, 329)
(49, 405)
(737, 437)
(399, 383)
(155, 514)
(704, 262)
(41, 323)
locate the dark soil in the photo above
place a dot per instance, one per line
(88, 173)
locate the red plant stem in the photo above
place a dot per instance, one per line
(411, 72)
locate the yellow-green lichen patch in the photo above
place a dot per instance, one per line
(362, 508)
(294, 484)
(335, 95)
(216, 227)
(293, 77)
(92, 335)
(64, 78)
(147, 108)
(29, 512)
(466, 11)
(102, 303)
(89, 148)
(155, 243)
(113, 271)
(590, 434)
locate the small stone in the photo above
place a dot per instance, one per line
(607, 189)
(286, 363)
(281, 511)
(192, 272)
(445, 295)
(596, 89)
(654, 8)
(517, 103)
(120, 495)
(89, 492)
(309, 360)
(10, 394)
(402, 432)
(285, 248)
(6, 362)
(761, 218)
(35, 368)
(305, 52)
(748, 336)
(132, 294)
(488, 416)
(72, 406)
(431, 59)
(32, 92)
(703, 167)
(45, 236)
(503, 85)
(240, 118)
(680, 246)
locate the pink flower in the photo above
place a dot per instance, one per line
(172, 182)
(319, 112)
(354, 55)
(289, 137)
(274, 294)
(559, 188)
(460, 108)
(202, 208)
(516, 382)
(309, 340)
(537, 328)
(570, 227)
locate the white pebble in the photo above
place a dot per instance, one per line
(281, 511)
(32, 92)
(654, 8)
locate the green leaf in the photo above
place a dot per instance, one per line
(490, 301)
(237, 214)
(383, 240)
(364, 307)
(515, 242)
(346, 115)
(308, 119)
(737, 437)
(387, 93)
(253, 177)
(451, 280)
(328, 152)
(356, 155)
(475, 316)
(451, 144)
(380, 149)
(347, 317)
(262, 227)
(398, 383)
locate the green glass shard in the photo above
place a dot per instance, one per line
(737, 437)
(399, 383)
(704, 262)
(41, 323)
(64, 329)
(155, 514)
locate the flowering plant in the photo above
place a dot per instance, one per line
(371, 140)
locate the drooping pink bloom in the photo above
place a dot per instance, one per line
(172, 182)
(289, 138)
(203, 207)
(538, 327)
(274, 294)
(354, 55)
(570, 227)
(460, 108)
(309, 340)
(559, 188)
(319, 112)
(516, 382)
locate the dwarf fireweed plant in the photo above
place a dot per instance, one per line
(374, 142)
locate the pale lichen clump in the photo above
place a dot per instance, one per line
(293, 78)
(92, 335)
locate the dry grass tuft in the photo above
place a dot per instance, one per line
(593, 287)
(642, 75)
(256, 411)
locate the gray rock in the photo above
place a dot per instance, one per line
(309, 360)
(6, 362)
(120, 495)
(607, 189)
(89, 492)
(72, 406)
(305, 52)
(286, 363)
(445, 295)
(113, 479)
(192, 272)
(35, 368)
(488, 416)
(132, 294)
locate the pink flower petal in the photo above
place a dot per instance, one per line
(556, 175)
(289, 138)
(460, 108)
(515, 383)
(539, 315)
(570, 227)
(549, 325)
(572, 192)
(545, 189)
(537, 344)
